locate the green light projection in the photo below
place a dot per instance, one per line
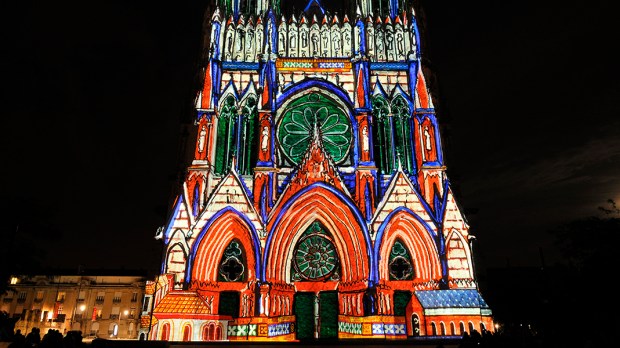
(297, 124)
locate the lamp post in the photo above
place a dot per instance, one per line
(120, 314)
(82, 309)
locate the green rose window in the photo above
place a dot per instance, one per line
(297, 123)
(315, 256)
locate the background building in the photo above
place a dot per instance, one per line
(102, 306)
(317, 204)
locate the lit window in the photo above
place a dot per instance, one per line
(14, 280)
(61, 296)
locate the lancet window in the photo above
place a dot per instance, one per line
(248, 137)
(392, 134)
(402, 131)
(383, 135)
(226, 133)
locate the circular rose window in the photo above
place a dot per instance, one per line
(315, 257)
(297, 125)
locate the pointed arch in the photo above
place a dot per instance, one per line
(417, 237)
(226, 133)
(401, 110)
(459, 256)
(232, 267)
(382, 134)
(225, 226)
(338, 94)
(400, 263)
(323, 203)
(315, 257)
(248, 137)
(176, 260)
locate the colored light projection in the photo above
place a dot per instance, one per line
(317, 204)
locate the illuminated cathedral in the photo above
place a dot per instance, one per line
(317, 204)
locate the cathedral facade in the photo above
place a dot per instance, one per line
(317, 203)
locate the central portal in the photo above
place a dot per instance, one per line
(316, 316)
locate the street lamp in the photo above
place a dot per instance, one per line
(118, 327)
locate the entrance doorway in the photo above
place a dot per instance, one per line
(306, 307)
(328, 314)
(303, 308)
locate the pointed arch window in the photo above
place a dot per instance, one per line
(248, 138)
(315, 257)
(232, 264)
(400, 265)
(196, 198)
(382, 137)
(402, 131)
(226, 130)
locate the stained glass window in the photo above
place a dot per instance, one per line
(248, 138)
(400, 266)
(226, 128)
(382, 135)
(402, 131)
(297, 126)
(232, 264)
(315, 256)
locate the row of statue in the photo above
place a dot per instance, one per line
(383, 39)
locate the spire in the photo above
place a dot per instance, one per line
(335, 20)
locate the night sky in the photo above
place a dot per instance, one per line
(96, 96)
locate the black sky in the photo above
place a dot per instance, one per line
(94, 95)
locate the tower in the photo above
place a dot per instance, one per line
(317, 204)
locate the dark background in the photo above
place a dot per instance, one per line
(97, 95)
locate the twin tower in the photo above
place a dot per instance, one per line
(317, 204)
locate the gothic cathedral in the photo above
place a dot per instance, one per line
(317, 204)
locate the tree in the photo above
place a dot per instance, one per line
(590, 245)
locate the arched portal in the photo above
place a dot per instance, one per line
(403, 227)
(224, 228)
(334, 211)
